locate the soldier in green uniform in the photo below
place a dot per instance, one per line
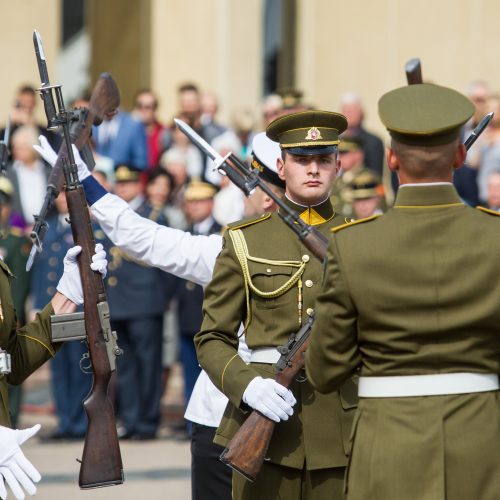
(411, 299)
(367, 195)
(352, 157)
(267, 280)
(22, 351)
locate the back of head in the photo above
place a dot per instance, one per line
(424, 122)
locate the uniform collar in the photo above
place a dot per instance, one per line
(425, 195)
(312, 215)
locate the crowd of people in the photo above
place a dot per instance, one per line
(161, 176)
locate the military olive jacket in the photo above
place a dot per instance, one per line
(416, 291)
(29, 347)
(265, 278)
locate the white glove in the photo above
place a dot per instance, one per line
(50, 156)
(70, 283)
(269, 398)
(15, 468)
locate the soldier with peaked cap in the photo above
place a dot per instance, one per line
(367, 195)
(418, 314)
(265, 278)
(190, 257)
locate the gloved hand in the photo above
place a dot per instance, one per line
(269, 398)
(50, 156)
(70, 283)
(15, 468)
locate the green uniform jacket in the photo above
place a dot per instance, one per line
(416, 291)
(29, 347)
(318, 432)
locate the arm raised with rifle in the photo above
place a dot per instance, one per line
(101, 463)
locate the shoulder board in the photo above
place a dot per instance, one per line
(354, 222)
(248, 222)
(488, 211)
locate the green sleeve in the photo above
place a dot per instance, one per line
(31, 346)
(332, 355)
(224, 309)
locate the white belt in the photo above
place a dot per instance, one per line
(427, 385)
(268, 355)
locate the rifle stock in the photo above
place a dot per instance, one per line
(101, 461)
(247, 450)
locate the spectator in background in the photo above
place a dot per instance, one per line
(137, 297)
(243, 122)
(23, 113)
(291, 100)
(14, 250)
(493, 191)
(122, 138)
(367, 195)
(28, 174)
(489, 149)
(70, 384)
(145, 110)
(198, 207)
(209, 110)
(175, 162)
(373, 147)
(271, 108)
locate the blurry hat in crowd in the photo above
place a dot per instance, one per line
(349, 144)
(366, 185)
(265, 154)
(126, 173)
(310, 132)
(291, 97)
(6, 189)
(424, 114)
(197, 190)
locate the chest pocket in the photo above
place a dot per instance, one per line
(270, 284)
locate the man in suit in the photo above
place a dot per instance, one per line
(411, 299)
(137, 296)
(266, 279)
(122, 138)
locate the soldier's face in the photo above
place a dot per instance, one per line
(308, 178)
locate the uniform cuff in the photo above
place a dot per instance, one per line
(93, 190)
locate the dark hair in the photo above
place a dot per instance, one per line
(146, 91)
(26, 89)
(156, 172)
(188, 87)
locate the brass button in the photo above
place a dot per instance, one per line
(51, 290)
(53, 261)
(305, 258)
(56, 246)
(52, 276)
(309, 283)
(309, 311)
(112, 281)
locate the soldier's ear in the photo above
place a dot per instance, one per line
(392, 159)
(281, 168)
(460, 155)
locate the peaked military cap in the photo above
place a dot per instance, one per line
(366, 185)
(291, 97)
(198, 190)
(349, 144)
(308, 132)
(126, 173)
(424, 114)
(265, 154)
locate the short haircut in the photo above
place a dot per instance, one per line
(188, 87)
(26, 89)
(423, 162)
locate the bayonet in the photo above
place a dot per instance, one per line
(4, 147)
(478, 130)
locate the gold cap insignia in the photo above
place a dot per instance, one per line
(313, 134)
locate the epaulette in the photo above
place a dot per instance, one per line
(354, 222)
(488, 211)
(248, 222)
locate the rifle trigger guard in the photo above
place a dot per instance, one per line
(88, 367)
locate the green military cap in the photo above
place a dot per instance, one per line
(291, 97)
(349, 144)
(125, 173)
(366, 185)
(424, 114)
(198, 190)
(308, 132)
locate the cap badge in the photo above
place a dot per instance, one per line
(313, 134)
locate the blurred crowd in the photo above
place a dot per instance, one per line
(153, 166)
